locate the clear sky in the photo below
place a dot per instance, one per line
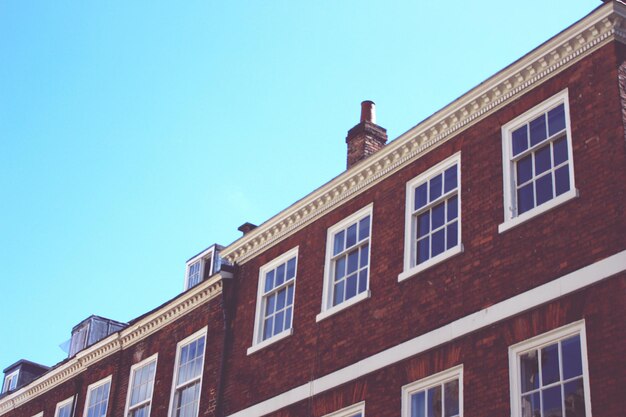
(134, 134)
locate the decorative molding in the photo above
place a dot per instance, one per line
(605, 24)
(187, 302)
(520, 303)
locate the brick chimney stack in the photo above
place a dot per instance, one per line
(367, 137)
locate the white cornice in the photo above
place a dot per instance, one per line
(146, 326)
(600, 27)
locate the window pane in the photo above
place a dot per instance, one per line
(451, 395)
(288, 314)
(340, 268)
(556, 119)
(453, 208)
(290, 295)
(364, 256)
(280, 275)
(560, 151)
(529, 374)
(353, 261)
(338, 244)
(520, 140)
(351, 283)
(421, 196)
(525, 198)
(524, 169)
(450, 179)
(280, 299)
(364, 228)
(531, 405)
(269, 280)
(279, 321)
(438, 214)
(574, 399)
(291, 268)
(267, 328)
(572, 364)
(551, 402)
(270, 304)
(434, 401)
(418, 404)
(423, 224)
(544, 189)
(550, 364)
(453, 235)
(422, 250)
(362, 280)
(338, 293)
(351, 236)
(435, 187)
(542, 160)
(538, 130)
(561, 179)
(439, 238)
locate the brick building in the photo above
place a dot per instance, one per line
(473, 266)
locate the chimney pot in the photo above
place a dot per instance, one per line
(366, 138)
(246, 227)
(368, 111)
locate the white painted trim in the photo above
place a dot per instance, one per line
(327, 295)
(511, 218)
(94, 386)
(535, 297)
(430, 381)
(409, 225)
(604, 25)
(39, 414)
(257, 338)
(349, 411)
(189, 339)
(131, 379)
(62, 404)
(572, 329)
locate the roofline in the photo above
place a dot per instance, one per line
(24, 362)
(601, 26)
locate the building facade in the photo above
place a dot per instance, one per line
(473, 266)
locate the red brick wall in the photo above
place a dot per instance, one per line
(492, 268)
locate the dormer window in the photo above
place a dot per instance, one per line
(202, 266)
(10, 381)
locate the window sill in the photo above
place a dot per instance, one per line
(333, 310)
(431, 262)
(271, 340)
(555, 202)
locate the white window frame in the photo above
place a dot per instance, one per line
(349, 411)
(257, 339)
(537, 342)
(10, 379)
(327, 294)
(429, 382)
(511, 219)
(410, 268)
(131, 378)
(94, 386)
(62, 404)
(206, 259)
(189, 339)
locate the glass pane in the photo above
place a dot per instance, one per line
(434, 402)
(364, 228)
(538, 130)
(542, 160)
(520, 140)
(353, 261)
(421, 196)
(279, 322)
(556, 119)
(280, 299)
(338, 244)
(271, 303)
(453, 235)
(550, 364)
(422, 250)
(280, 275)
(435, 187)
(267, 329)
(439, 215)
(291, 268)
(524, 169)
(340, 268)
(288, 318)
(560, 151)
(269, 280)
(551, 402)
(363, 280)
(451, 395)
(439, 239)
(338, 293)
(290, 295)
(364, 256)
(453, 208)
(544, 189)
(572, 364)
(574, 398)
(450, 179)
(531, 405)
(418, 404)
(525, 198)
(423, 224)
(351, 283)
(529, 371)
(351, 236)
(561, 179)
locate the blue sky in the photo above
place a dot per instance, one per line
(135, 134)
